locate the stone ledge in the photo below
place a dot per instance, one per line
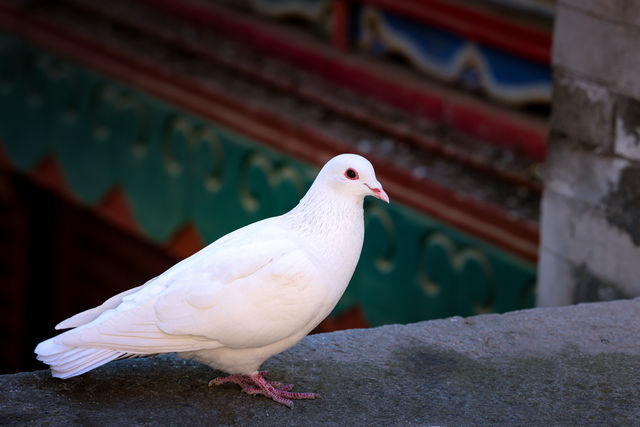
(567, 365)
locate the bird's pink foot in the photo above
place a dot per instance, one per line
(257, 384)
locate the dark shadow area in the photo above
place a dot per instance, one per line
(58, 258)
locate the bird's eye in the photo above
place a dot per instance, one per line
(351, 174)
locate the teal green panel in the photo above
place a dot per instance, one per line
(24, 116)
(176, 167)
(85, 154)
(415, 268)
(155, 173)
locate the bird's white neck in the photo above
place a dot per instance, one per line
(330, 223)
(326, 212)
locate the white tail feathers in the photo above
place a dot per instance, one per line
(68, 361)
(93, 313)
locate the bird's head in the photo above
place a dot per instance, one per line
(352, 174)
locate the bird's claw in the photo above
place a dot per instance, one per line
(258, 385)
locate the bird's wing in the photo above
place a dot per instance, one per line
(274, 292)
(253, 289)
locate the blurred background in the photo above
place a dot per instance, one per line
(133, 133)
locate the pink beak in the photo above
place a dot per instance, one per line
(378, 192)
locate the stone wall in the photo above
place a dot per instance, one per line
(590, 225)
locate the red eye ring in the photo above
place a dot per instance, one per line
(351, 173)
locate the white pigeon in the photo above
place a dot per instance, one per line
(247, 296)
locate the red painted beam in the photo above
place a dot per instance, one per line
(477, 218)
(339, 36)
(473, 118)
(306, 94)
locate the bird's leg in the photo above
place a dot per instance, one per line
(248, 385)
(257, 384)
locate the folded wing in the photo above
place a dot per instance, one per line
(247, 294)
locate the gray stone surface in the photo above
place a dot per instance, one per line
(590, 226)
(598, 49)
(583, 234)
(579, 282)
(578, 173)
(623, 11)
(576, 365)
(584, 110)
(556, 281)
(627, 128)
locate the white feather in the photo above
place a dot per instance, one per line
(250, 294)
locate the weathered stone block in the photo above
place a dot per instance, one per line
(627, 128)
(583, 110)
(598, 49)
(590, 228)
(556, 284)
(622, 204)
(589, 287)
(578, 173)
(625, 11)
(584, 235)
(563, 282)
